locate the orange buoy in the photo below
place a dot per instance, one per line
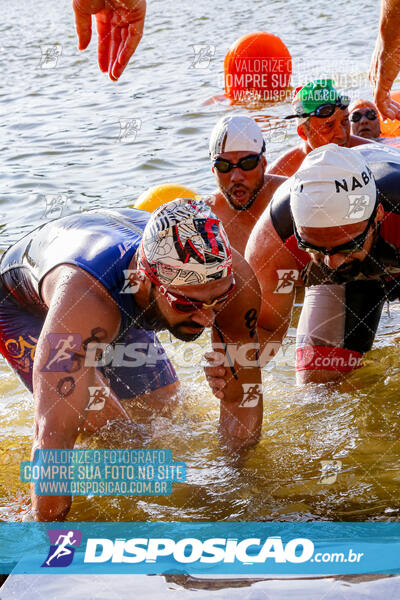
(257, 66)
(389, 127)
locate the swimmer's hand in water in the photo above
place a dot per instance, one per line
(119, 27)
(215, 374)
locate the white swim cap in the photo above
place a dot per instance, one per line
(236, 134)
(334, 186)
(184, 243)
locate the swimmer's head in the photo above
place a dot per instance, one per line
(184, 244)
(333, 200)
(321, 113)
(364, 119)
(186, 256)
(237, 150)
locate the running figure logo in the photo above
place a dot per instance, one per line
(63, 347)
(129, 129)
(98, 397)
(62, 542)
(252, 394)
(55, 205)
(50, 55)
(131, 284)
(358, 204)
(286, 280)
(203, 53)
(329, 471)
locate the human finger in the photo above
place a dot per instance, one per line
(83, 25)
(104, 40)
(133, 37)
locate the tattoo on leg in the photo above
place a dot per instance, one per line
(98, 334)
(65, 386)
(76, 362)
(250, 319)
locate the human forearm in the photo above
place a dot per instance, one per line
(241, 408)
(385, 62)
(389, 22)
(61, 399)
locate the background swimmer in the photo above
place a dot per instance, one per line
(237, 152)
(324, 119)
(73, 298)
(364, 119)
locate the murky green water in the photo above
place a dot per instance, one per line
(326, 452)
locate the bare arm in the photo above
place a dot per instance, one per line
(385, 62)
(236, 326)
(275, 269)
(288, 163)
(273, 264)
(80, 311)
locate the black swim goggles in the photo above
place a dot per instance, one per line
(247, 163)
(350, 247)
(357, 115)
(324, 110)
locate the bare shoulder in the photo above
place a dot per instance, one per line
(70, 290)
(263, 227)
(355, 140)
(287, 164)
(213, 200)
(274, 181)
(244, 274)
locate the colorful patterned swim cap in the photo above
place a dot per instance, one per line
(184, 243)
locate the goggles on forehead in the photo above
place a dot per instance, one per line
(324, 110)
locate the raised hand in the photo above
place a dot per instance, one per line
(119, 26)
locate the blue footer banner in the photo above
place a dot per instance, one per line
(200, 548)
